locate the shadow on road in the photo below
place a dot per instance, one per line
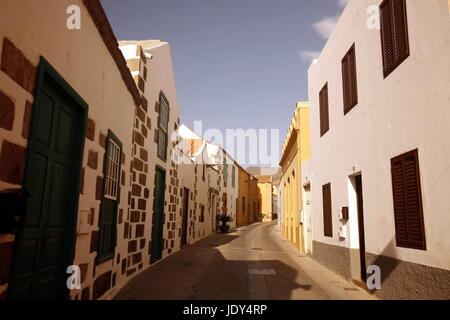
(217, 268)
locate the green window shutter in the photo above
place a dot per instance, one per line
(225, 169)
(163, 127)
(162, 144)
(233, 177)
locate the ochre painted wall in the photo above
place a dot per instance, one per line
(243, 196)
(265, 190)
(296, 150)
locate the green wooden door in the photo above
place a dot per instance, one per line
(158, 216)
(44, 247)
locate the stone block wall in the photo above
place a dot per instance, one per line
(17, 79)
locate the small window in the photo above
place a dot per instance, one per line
(327, 211)
(408, 212)
(324, 113)
(202, 213)
(112, 172)
(349, 82)
(394, 34)
(225, 170)
(163, 125)
(110, 200)
(233, 176)
(224, 203)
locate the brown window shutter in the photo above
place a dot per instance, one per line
(400, 30)
(387, 37)
(345, 83)
(401, 222)
(321, 113)
(409, 224)
(394, 34)
(327, 211)
(352, 76)
(324, 112)
(349, 82)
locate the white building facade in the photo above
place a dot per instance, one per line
(380, 122)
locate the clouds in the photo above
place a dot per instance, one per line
(309, 56)
(325, 26)
(343, 3)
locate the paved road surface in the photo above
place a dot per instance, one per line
(253, 262)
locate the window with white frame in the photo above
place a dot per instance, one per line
(112, 173)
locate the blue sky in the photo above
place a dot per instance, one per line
(237, 63)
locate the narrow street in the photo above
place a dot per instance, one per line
(253, 262)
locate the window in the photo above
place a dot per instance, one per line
(225, 170)
(224, 203)
(349, 83)
(203, 172)
(408, 213)
(394, 34)
(112, 172)
(324, 116)
(327, 211)
(163, 125)
(110, 200)
(202, 213)
(243, 206)
(233, 176)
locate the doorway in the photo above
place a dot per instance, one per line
(360, 210)
(213, 207)
(184, 226)
(307, 223)
(45, 243)
(158, 215)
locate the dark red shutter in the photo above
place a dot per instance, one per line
(349, 83)
(409, 224)
(324, 113)
(327, 211)
(400, 30)
(352, 76)
(401, 223)
(345, 83)
(387, 37)
(321, 112)
(394, 34)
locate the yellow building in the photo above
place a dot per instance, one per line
(296, 150)
(265, 191)
(242, 203)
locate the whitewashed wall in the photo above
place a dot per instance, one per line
(409, 109)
